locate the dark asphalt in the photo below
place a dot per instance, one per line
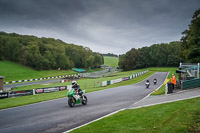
(56, 116)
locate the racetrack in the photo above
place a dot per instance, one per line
(57, 116)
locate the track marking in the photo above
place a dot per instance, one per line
(150, 92)
(95, 120)
(112, 112)
(180, 99)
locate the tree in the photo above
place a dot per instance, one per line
(143, 57)
(89, 62)
(46, 53)
(121, 62)
(1, 48)
(97, 59)
(130, 59)
(191, 40)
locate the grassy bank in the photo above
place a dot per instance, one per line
(177, 117)
(86, 83)
(111, 61)
(171, 70)
(19, 101)
(13, 71)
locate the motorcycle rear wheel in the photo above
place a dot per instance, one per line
(84, 102)
(71, 102)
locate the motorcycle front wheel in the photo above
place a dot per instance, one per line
(71, 102)
(84, 102)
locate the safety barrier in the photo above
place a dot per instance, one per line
(189, 84)
(33, 91)
(105, 83)
(62, 76)
(46, 78)
(94, 84)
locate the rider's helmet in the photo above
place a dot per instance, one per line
(74, 83)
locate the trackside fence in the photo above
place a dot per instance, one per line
(110, 82)
(37, 79)
(189, 84)
(95, 84)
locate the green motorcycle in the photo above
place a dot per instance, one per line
(74, 98)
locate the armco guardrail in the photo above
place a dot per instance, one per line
(61, 88)
(46, 78)
(105, 83)
(63, 76)
(189, 84)
(33, 92)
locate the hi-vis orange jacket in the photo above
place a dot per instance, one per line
(173, 79)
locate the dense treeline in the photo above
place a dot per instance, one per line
(164, 55)
(110, 54)
(157, 55)
(190, 46)
(46, 53)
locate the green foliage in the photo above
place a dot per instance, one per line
(190, 42)
(111, 61)
(89, 85)
(13, 71)
(177, 117)
(165, 55)
(46, 53)
(157, 55)
(171, 70)
(110, 55)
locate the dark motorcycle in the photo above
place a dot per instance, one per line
(155, 81)
(147, 84)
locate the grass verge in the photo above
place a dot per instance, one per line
(13, 71)
(176, 117)
(111, 61)
(86, 83)
(19, 101)
(171, 70)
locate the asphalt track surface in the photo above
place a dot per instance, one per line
(30, 83)
(56, 116)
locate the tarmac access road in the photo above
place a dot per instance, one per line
(30, 83)
(56, 116)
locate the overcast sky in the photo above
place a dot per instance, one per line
(104, 26)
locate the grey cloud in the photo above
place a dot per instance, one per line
(103, 25)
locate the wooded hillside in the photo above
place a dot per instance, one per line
(165, 55)
(46, 53)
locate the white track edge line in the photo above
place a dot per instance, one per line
(112, 112)
(45, 101)
(180, 99)
(152, 91)
(95, 120)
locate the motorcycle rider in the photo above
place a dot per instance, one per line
(155, 81)
(147, 83)
(77, 88)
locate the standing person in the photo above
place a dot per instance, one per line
(173, 80)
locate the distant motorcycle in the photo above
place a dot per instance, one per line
(74, 98)
(147, 84)
(155, 81)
